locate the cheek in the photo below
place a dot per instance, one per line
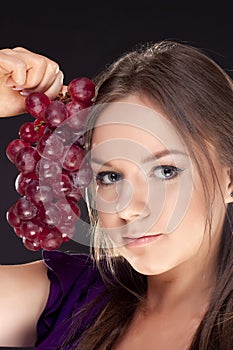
(182, 204)
(106, 198)
(193, 223)
(188, 212)
(111, 226)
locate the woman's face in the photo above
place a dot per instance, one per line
(149, 196)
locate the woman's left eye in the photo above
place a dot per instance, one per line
(165, 172)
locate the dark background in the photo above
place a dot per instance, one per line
(83, 38)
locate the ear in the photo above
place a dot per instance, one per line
(229, 186)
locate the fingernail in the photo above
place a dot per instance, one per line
(24, 93)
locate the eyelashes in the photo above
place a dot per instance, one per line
(162, 172)
(107, 178)
(166, 172)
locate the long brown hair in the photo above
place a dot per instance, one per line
(197, 96)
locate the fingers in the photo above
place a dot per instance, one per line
(12, 68)
(41, 71)
(28, 71)
(54, 89)
(51, 90)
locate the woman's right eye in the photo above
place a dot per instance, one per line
(107, 178)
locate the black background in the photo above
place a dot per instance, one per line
(85, 36)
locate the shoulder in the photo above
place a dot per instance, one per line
(22, 285)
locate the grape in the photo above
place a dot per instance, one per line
(55, 113)
(72, 157)
(35, 104)
(50, 146)
(28, 133)
(74, 207)
(22, 180)
(51, 215)
(26, 159)
(48, 170)
(67, 231)
(24, 209)
(65, 133)
(62, 186)
(51, 239)
(76, 194)
(39, 194)
(13, 148)
(18, 232)
(31, 229)
(83, 177)
(12, 218)
(77, 115)
(79, 137)
(81, 89)
(31, 245)
(49, 155)
(69, 210)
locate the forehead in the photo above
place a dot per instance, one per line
(131, 124)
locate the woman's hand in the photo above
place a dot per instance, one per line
(21, 72)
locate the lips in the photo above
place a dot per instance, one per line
(141, 240)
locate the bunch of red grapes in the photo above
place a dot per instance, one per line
(50, 157)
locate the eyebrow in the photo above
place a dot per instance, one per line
(161, 154)
(148, 159)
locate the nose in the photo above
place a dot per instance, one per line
(133, 199)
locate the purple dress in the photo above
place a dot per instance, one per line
(75, 281)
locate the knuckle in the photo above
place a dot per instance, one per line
(53, 67)
(40, 62)
(6, 50)
(19, 48)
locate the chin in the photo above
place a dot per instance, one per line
(148, 267)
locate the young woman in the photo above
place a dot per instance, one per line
(160, 274)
